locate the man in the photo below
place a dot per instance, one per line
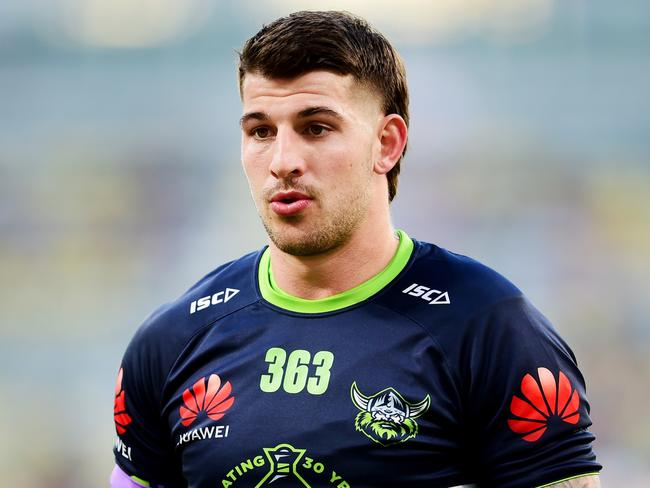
(344, 354)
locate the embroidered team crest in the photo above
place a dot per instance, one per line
(386, 417)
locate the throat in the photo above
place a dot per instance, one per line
(329, 274)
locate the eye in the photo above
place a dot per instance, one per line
(317, 130)
(261, 132)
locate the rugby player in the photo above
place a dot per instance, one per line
(345, 353)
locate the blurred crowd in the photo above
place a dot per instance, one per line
(120, 186)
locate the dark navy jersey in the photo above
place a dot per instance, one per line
(437, 372)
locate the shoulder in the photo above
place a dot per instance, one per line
(442, 286)
(150, 357)
(222, 291)
(470, 306)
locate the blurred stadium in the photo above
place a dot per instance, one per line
(120, 186)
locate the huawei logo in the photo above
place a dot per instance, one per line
(122, 419)
(214, 400)
(541, 401)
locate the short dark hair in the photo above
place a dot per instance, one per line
(334, 41)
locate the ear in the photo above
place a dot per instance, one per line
(393, 134)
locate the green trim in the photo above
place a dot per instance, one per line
(567, 479)
(272, 293)
(140, 481)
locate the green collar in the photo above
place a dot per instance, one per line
(272, 293)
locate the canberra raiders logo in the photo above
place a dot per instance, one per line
(386, 417)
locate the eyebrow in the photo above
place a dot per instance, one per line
(261, 116)
(308, 112)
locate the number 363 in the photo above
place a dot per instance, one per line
(297, 371)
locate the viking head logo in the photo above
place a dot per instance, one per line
(386, 417)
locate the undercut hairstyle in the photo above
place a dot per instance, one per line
(333, 41)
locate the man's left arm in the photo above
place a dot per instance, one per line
(528, 412)
(589, 481)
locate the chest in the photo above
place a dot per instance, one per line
(348, 400)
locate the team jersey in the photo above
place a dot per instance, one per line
(436, 372)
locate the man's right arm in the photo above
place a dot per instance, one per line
(143, 449)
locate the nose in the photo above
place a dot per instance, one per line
(288, 160)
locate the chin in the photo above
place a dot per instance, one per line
(307, 242)
(302, 247)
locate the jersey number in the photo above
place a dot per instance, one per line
(292, 373)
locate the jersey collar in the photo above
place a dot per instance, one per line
(272, 293)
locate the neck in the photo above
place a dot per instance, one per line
(362, 256)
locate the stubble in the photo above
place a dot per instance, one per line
(324, 228)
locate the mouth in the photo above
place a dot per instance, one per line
(289, 203)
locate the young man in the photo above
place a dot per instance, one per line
(345, 354)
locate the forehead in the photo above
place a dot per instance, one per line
(342, 93)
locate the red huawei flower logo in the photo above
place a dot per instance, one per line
(215, 401)
(122, 419)
(552, 398)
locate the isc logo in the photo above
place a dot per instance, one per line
(220, 297)
(434, 297)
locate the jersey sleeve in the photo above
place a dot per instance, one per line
(144, 449)
(526, 407)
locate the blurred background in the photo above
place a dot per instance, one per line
(120, 186)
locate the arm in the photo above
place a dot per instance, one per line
(144, 447)
(586, 481)
(119, 479)
(527, 402)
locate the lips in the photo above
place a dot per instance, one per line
(289, 203)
